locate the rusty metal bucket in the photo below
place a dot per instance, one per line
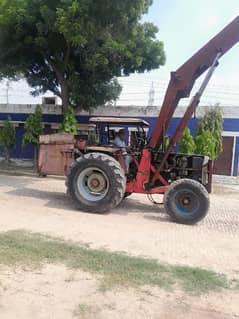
(55, 154)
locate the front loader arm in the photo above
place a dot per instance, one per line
(182, 81)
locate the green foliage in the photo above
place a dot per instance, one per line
(208, 138)
(7, 134)
(205, 144)
(93, 138)
(69, 124)
(33, 128)
(165, 144)
(187, 144)
(77, 48)
(7, 138)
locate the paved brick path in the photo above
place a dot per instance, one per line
(136, 226)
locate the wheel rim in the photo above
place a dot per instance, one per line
(92, 184)
(187, 202)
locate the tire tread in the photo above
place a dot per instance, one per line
(119, 181)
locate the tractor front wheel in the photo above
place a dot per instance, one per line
(186, 201)
(96, 183)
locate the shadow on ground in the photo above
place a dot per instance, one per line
(222, 217)
(59, 200)
(148, 210)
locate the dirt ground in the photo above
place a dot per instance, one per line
(137, 227)
(59, 293)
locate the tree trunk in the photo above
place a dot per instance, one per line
(7, 156)
(35, 156)
(210, 168)
(63, 84)
(65, 97)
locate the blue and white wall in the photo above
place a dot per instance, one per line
(52, 117)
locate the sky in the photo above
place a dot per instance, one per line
(184, 27)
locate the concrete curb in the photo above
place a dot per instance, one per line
(226, 180)
(18, 172)
(26, 173)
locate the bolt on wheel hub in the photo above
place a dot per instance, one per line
(186, 201)
(96, 183)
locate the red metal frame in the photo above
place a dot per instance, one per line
(143, 174)
(180, 86)
(183, 79)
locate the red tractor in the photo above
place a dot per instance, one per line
(97, 180)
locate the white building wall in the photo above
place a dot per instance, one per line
(132, 111)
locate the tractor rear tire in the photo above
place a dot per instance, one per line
(96, 183)
(186, 201)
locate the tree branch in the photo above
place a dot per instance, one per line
(55, 69)
(56, 92)
(67, 55)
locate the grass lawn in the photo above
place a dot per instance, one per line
(23, 249)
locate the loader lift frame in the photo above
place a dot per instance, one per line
(96, 180)
(180, 86)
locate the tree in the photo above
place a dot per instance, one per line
(77, 48)
(33, 129)
(69, 124)
(208, 137)
(7, 138)
(165, 144)
(205, 144)
(187, 144)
